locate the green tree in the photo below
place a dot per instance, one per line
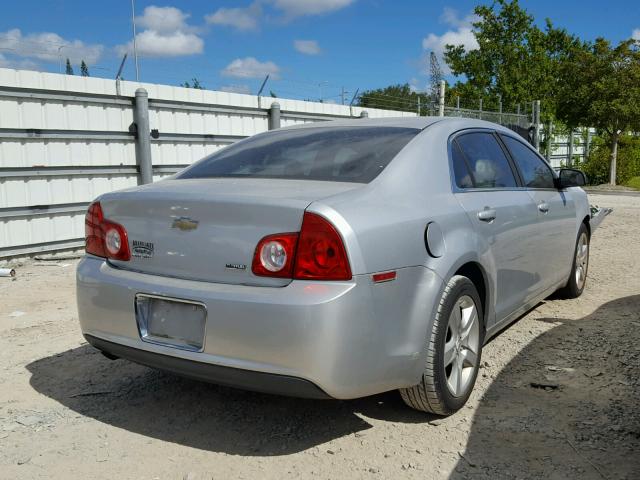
(602, 89)
(84, 69)
(195, 83)
(597, 166)
(394, 97)
(69, 69)
(515, 59)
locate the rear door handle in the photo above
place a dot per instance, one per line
(487, 215)
(543, 207)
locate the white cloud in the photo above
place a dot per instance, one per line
(236, 89)
(298, 8)
(156, 44)
(248, 18)
(166, 34)
(48, 46)
(636, 34)
(249, 67)
(308, 47)
(460, 34)
(163, 19)
(450, 17)
(24, 64)
(239, 18)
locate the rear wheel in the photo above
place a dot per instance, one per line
(579, 268)
(454, 348)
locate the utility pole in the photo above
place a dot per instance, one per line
(324, 82)
(60, 56)
(135, 47)
(353, 99)
(264, 82)
(119, 74)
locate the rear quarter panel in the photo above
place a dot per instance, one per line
(384, 223)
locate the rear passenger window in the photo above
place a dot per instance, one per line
(535, 171)
(460, 169)
(487, 161)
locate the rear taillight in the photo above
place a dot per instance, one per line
(103, 237)
(321, 254)
(316, 253)
(275, 255)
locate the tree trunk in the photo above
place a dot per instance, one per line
(614, 157)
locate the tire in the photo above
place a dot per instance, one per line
(438, 391)
(579, 266)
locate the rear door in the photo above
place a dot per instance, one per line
(502, 213)
(556, 211)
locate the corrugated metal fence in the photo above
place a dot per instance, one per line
(64, 140)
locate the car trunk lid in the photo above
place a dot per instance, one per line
(208, 229)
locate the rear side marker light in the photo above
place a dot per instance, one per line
(104, 238)
(383, 277)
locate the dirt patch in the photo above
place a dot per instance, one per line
(68, 412)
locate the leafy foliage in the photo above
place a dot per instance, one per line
(84, 69)
(634, 183)
(394, 97)
(69, 68)
(195, 83)
(516, 60)
(602, 89)
(597, 166)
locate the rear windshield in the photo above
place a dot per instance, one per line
(340, 154)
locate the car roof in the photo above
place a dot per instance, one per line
(456, 123)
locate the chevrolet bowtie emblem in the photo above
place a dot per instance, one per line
(185, 224)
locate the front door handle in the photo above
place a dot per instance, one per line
(543, 207)
(487, 215)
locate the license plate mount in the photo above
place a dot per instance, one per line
(171, 322)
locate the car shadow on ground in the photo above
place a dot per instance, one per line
(586, 422)
(200, 415)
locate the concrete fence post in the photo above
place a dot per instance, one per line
(143, 140)
(587, 145)
(549, 140)
(441, 99)
(536, 125)
(274, 116)
(364, 114)
(570, 159)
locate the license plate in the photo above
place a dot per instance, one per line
(171, 322)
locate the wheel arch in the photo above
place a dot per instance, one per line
(587, 222)
(478, 276)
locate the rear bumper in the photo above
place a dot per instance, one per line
(231, 377)
(349, 339)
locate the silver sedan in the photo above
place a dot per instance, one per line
(335, 260)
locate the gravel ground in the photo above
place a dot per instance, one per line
(68, 412)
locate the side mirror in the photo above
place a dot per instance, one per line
(570, 177)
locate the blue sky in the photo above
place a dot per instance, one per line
(311, 48)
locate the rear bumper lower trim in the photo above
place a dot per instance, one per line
(228, 376)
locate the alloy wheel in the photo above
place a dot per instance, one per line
(582, 260)
(462, 345)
